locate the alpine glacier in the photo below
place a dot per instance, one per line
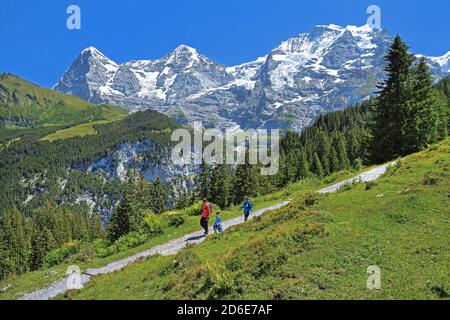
(325, 69)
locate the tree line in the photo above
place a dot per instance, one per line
(25, 242)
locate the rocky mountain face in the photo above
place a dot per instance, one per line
(148, 158)
(315, 72)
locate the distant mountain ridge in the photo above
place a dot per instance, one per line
(325, 69)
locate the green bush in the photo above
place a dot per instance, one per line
(347, 186)
(431, 179)
(311, 199)
(58, 255)
(219, 281)
(185, 259)
(440, 291)
(358, 164)
(399, 218)
(371, 185)
(174, 219)
(194, 210)
(102, 252)
(112, 249)
(100, 244)
(152, 225)
(131, 240)
(86, 253)
(125, 242)
(261, 256)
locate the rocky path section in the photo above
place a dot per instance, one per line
(367, 176)
(172, 247)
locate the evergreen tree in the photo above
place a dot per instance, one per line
(425, 120)
(203, 181)
(119, 224)
(160, 196)
(324, 152)
(357, 164)
(410, 114)
(245, 181)
(140, 190)
(221, 183)
(288, 171)
(96, 229)
(341, 149)
(317, 166)
(390, 104)
(334, 160)
(353, 143)
(443, 86)
(302, 165)
(185, 198)
(42, 242)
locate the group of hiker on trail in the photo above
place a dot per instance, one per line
(247, 206)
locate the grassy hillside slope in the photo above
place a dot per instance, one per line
(23, 104)
(319, 247)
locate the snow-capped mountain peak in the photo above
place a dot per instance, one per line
(443, 61)
(325, 69)
(185, 57)
(93, 51)
(88, 75)
(93, 55)
(322, 39)
(185, 49)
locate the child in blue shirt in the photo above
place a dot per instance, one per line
(218, 224)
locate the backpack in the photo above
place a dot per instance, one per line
(248, 205)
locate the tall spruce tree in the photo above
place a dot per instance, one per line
(288, 171)
(341, 149)
(203, 181)
(160, 196)
(422, 111)
(316, 166)
(301, 164)
(42, 242)
(323, 152)
(221, 183)
(393, 97)
(140, 190)
(119, 224)
(410, 113)
(334, 160)
(245, 181)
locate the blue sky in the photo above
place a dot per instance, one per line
(35, 43)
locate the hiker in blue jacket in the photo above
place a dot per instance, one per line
(248, 207)
(218, 227)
